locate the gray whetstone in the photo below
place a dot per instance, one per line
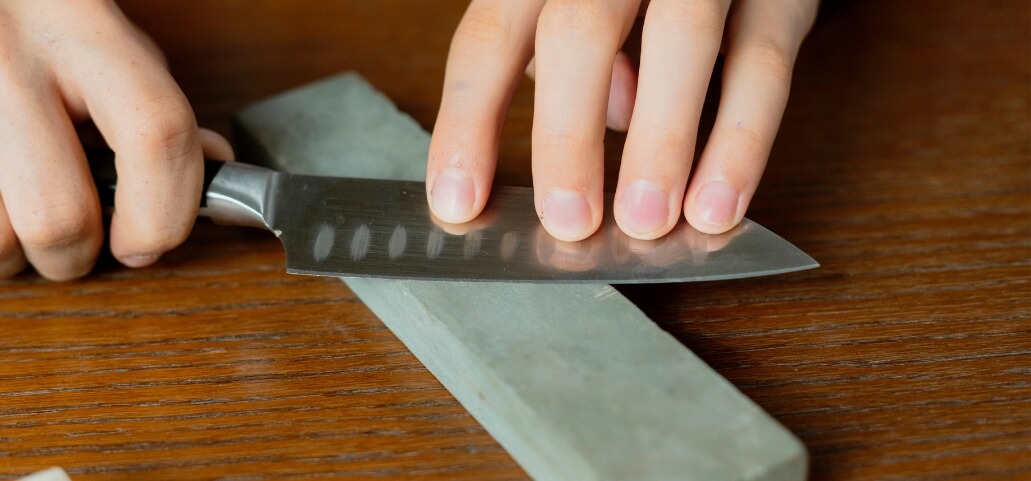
(574, 381)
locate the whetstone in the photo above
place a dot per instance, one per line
(573, 380)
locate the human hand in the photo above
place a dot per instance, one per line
(61, 64)
(584, 82)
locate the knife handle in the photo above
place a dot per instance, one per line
(233, 193)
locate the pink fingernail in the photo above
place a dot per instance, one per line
(644, 207)
(717, 203)
(567, 215)
(140, 261)
(453, 195)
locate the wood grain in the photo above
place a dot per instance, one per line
(903, 165)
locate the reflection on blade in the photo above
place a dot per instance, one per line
(377, 228)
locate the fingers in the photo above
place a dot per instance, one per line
(763, 39)
(681, 40)
(583, 85)
(576, 47)
(215, 146)
(70, 62)
(49, 198)
(149, 124)
(622, 92)
(12, 260)
(490, 48)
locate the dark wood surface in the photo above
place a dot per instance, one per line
(903, 166)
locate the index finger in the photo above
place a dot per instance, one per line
(148, 122)
(491, 47)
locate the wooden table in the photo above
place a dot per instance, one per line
(903, 165)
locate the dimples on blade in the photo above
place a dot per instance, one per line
(379, 228)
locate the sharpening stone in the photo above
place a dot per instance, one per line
(573, 380)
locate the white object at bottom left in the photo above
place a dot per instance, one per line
(52, 474)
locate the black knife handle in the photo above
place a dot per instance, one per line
(233, 193)
(102, 166)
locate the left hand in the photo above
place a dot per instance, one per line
(584, 83)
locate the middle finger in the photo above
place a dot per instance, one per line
(576, 45)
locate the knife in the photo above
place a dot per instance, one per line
(346, 227)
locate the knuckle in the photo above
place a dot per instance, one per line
(581, 18)
(486, 27)
(693, 15)
(669, 140)
(773, 57)
(750, 146)
(166, 123)
(57, 228)
(563, 144)
(656, 141)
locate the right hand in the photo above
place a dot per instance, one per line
(62, 64)
(584, 83)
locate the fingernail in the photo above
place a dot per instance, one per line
(567, 215)
(140, 261)
(717, 203)
(452, 195)
(644, 207)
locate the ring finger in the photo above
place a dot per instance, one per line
(50, 199)
(488, 53)
(681, 40)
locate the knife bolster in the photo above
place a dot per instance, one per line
(237, 195)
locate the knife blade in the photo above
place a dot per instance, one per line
(347, 227)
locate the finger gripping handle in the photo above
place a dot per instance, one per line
(232, 193)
